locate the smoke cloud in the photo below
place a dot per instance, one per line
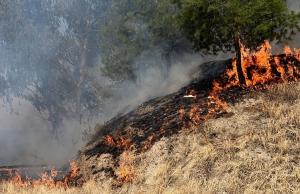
(28, 68)
(25, 137)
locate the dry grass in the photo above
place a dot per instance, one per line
(88, 188)
(254, 151)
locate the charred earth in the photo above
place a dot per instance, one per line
(205, 98)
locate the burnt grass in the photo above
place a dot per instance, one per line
(160, 117)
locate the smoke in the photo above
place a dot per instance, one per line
(37, 87)
(294, 6)
(26, 137)
(40, 80)
(28, 68)
(152, 83)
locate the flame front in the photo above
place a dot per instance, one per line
(259, 68)
(262, 67)
(46, 178)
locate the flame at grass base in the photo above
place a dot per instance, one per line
(260, 69)
(48, 179)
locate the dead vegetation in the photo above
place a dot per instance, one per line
(256, 150)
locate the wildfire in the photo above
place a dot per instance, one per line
(48, 179)
(149, 141)
(125, 172)
(109, 140)
(194, 115)
(259, 68)
(120, 143)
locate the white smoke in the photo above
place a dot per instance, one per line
(294, 5)
(26, 137)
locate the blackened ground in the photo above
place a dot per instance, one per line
(160, 117)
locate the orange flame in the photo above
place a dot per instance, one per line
(125, 171)
(194, 115)
(109, 140)
(46, 179)
(120, 143)
(259, 68)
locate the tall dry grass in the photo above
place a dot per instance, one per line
(257, 150)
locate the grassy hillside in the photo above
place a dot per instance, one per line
(255, 150)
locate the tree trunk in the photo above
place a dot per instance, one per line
(167, 67)
(83, 55)
(239, 68)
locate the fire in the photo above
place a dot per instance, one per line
(73, 173)
(259, 68)
(194, 115)
(48, 179)
(125, 172)
(181, 113)
(109, 140)
(288, 50)
(120, 143)
(124, 144)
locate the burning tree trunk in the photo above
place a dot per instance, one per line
(240, 73)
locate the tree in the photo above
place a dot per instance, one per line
(49, 54)
(83, 20)
(133, 27)
(222, 25)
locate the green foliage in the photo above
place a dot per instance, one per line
(213, 25)
(135, 26)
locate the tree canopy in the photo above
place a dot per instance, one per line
(212, 25)
(49, 56)
(135, 26)
(222, 25)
